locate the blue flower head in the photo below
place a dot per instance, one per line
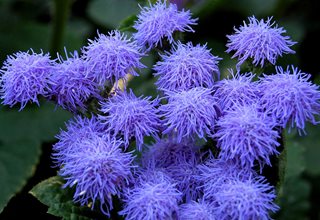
(186, 67)
(190, 113)
(98, 169)
(239, 90)
(245, 199)
(179, 161)
(184, 173)
(159, 21)
(247, 135)
(25, 76)
(71, 86)
(131, 116)
(260, 41)
(77, 130)
(166, 152)
(153, 198)
(290, 98)
(111, 57)
(196, 211)
(216, 172)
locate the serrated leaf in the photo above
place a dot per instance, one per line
(59, 200)
(18, 161)
(111, 12)
(38, 123)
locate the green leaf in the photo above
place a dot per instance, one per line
(311, 142)
(18, 161)
(127, 24)
(296, 163)
(36, 123)
(307, 151)
(294, 201)
(111, 12)
(59, 200)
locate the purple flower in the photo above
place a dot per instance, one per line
(290, 98)
(131, 116)
(240, 90)
(190, 113)
(216, 172)
(259, 41)
(25, 76)
(160, 20)
(179, 161)
(98, 169)
(247, 135)
(186, 67)
(112, 57)
(245, 199)
(184, 173)
(154, 198)
(166, 152)
(72, 87)
(196, 211)
(78, 129)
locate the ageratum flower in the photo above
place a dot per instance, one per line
(179, 161)
(72, 87)
(77, 130)
(166, 152)
(247, 135)
(25, 76)
(153, 198)
(290, 97)
(184, 173)
(260, 41)
(239, 90)
(245, 199)
(186, 67)
(190, 113)
(98, 169)
(112, 57)
(216, 172)
(131, 116)
(159, 21)
(196, 211)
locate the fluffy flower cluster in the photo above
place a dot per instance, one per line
(130, 116)
(159, 21)
(153, 197)
(93, 163)
(186, 67)
(249, 199)
(209, 137)
(260, 41)
(247, 135)
(290, 97)
(112, 57)
(25, 76)
(72, 87)
(237, 91)
(190, 113)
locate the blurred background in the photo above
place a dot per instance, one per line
(50, 25)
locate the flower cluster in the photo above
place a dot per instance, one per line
(159, 21)
(199, 145)
(259, 41)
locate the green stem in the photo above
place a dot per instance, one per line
(60, 16)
